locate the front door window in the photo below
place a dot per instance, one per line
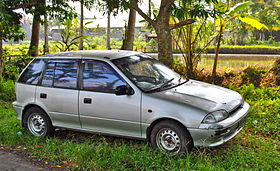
(100, 77)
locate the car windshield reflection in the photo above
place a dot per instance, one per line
(148, 74)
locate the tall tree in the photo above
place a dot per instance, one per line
(81, 45)
(111, 7)
(130, 31)
(108, 42)
(35, 37)
(46, 30)
(10, 28)
(163, 29)
(59, 9)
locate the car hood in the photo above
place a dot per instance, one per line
(202, 95)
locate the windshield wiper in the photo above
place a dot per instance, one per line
(160, 87)
(165, 83)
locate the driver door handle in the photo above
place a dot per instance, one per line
(87, 100)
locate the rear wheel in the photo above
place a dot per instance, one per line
(38, 123)
(171, 137)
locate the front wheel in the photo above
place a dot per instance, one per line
(37, 122)
(169, 136)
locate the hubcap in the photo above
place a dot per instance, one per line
(36, 124)
(168, 140)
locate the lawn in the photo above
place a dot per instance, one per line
(256, 147)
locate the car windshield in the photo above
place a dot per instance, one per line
(148, 74)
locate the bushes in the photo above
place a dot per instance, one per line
(252, 75)
(264, 117)
(257, 49)
(14, 64)
(259, 76)
(7, 93)
(276, 71)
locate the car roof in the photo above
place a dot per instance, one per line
(109, 54)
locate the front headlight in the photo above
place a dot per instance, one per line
(215, 116)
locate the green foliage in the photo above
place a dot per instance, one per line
(70, 35)
(252, 75)
(14, 64)
(239, 7)
(253, 22)
(195, 35)
(246, 49)
(10, 28)
(276, 70)
(99, 42)
(264, 120)
(140, 43)
(7, 91)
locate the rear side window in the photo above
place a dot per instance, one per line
(48, 75)
(61, 73)
(32, 73)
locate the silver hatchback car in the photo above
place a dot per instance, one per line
(128, 94)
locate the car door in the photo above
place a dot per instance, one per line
(100, 109)
(58, 93)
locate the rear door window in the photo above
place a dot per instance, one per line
(32, 73)
(61, 73)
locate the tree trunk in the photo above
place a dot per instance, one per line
(130, 30)
(227, 4)
(165, 54)
(150, 8)
(46, 29)
(190, 71)
(1, 53)
(217, 51)
(163, 30)
(81, 45)
(35, 37)
(108, 31)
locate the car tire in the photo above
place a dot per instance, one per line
(171, 137)
(38, 123)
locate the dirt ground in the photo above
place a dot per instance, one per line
(11, 161)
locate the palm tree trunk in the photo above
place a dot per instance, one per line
(130, 30)
(108, 31)
(81, 46)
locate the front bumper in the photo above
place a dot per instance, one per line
(225, 130)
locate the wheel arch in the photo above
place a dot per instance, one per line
(150, 128)
(28, 107)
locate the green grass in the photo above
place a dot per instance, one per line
(255, 148)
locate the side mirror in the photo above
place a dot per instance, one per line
(124, 90)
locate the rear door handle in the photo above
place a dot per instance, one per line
(43, 95)
(87, 100)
